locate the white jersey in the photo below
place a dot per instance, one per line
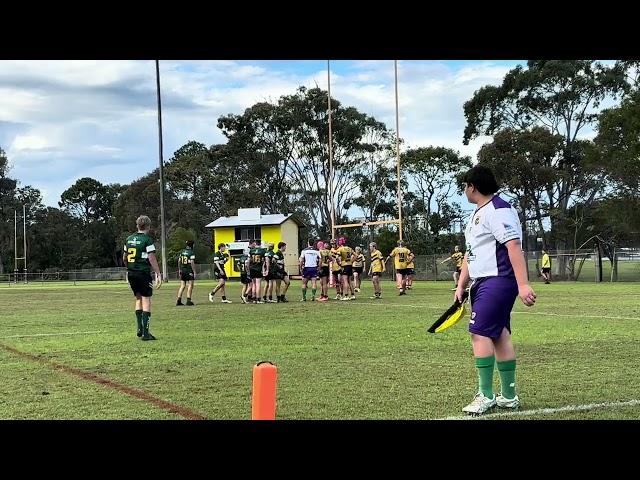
(311, 257)
(489, 228)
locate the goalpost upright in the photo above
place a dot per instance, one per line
(398, 220)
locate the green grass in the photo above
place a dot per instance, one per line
(339, 360)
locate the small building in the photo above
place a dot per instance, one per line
(250, 224)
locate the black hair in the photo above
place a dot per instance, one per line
(482, 178)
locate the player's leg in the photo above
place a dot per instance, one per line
(305, 280)
(506, 363)
(138, 310)
(287, 284)
(190, 292)
(180, 291)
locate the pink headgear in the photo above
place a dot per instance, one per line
(342, 241)
(320, 245)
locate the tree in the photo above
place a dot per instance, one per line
(12, 198)
(89, 200)
(562, 96)
(293, 137)
(433, 171)
(525, 163)
(618, 143)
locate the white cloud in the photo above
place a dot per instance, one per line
(83, 118)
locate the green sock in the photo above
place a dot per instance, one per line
(485, 366)
(304, 293)
(507, 370)
(145, 322)
(139, 319)
(313, 292)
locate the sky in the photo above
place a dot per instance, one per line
(64, 120)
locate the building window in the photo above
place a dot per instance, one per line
(244, 234)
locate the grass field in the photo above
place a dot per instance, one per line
(70, 352)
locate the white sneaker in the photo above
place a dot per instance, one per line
(211, 297)
(243, 299)
(513, 403)
(353, 297)
(226, 301)
(480, 404)
(338, 297)
(357, 290)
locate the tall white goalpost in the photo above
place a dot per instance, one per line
(24, 250)
(398, 220)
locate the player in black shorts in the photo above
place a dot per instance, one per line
(140, 256)
(219, 259)
(186, 272)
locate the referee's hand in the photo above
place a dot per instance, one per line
(527, 295)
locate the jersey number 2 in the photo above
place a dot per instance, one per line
(132, 255)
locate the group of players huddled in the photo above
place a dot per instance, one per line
(333, 263)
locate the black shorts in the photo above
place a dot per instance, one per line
(140, 283)
(410, 271)
(358, 270)
(186, 276)
(324, 272)
(376, 274)
(403, 271)
(458, 269)
(278, 275)
(255, 274)
(546, 270)
(220, 276)
(336, 272)
(347, 270)
(244, 278)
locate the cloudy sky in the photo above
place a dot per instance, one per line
(63, 120)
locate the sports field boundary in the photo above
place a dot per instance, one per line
(111, 384)
(57, 334)
(546, 411)
(443, 308)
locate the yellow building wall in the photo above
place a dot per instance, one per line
(225, 235)
(271, 233)
(286, 232)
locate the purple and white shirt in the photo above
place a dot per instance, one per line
(489, 228)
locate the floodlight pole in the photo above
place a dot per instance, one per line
(162, 223)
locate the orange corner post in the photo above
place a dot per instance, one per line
(263, 401)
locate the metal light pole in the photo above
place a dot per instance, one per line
(162, 223)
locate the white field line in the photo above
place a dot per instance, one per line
(513, 313)
(546, 411)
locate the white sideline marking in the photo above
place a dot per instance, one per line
(514, 313)
(54, 334)
(545, 411)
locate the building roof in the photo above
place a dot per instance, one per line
(240, 221)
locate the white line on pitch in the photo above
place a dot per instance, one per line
(546, 411)
(516, 313)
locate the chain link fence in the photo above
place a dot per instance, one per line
(581, 266)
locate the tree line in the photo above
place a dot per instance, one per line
(569, 189)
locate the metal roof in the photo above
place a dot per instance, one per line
(236, 221)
